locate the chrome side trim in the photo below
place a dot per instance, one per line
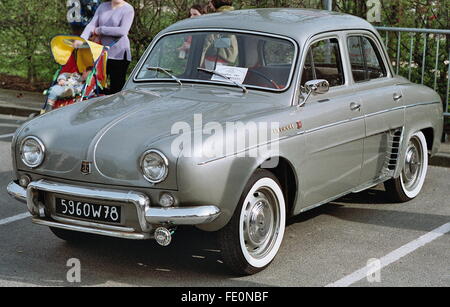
(299, 133)
(109, 233)
(249, 148)
(139, 200)
(17, 192)
(345, 121)
(182, 215)
(421, 104)
(320, 128)
(384, 111)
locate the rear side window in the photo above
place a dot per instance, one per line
(365, 59)
(323, 61)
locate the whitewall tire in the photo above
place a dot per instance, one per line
(410, 182)
(252, 238)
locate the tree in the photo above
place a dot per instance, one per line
(26, 29)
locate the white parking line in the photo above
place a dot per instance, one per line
(393, 256)
(4, 136)
(14, 218)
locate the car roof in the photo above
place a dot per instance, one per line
(299, 24)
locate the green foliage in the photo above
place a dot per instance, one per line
(26, 28)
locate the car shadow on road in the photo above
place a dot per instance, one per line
(192, 259)
(370, 197)
(192, 254)
(374, 207)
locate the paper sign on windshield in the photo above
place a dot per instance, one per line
(236, 74)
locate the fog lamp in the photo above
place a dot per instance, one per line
(166, 200)
(163, 236)
(24, 181)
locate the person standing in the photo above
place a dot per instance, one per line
(110, 27)
(219, 6)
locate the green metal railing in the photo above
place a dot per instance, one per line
(413, 63)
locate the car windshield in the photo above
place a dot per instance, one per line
(252, 60)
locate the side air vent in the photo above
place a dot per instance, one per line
(393, 151)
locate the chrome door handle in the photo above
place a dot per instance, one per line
(397, 96)
(355, 106)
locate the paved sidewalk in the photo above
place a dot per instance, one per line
(20, 103)
(443, 157)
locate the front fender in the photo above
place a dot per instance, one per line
(219, 182)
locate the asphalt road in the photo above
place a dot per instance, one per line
(320, 247)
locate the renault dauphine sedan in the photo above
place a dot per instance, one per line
(233, 123)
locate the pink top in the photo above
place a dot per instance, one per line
(113, 26)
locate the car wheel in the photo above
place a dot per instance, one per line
(408, 185)
(252, 238)
(70, 236)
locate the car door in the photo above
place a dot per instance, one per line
(334, 127)
(381, 103)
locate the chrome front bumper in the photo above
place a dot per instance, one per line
(146, 215)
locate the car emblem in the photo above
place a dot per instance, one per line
(86, 167)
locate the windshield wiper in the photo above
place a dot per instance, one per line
(166, 71)
(214, 72)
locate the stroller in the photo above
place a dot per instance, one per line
(89, 59)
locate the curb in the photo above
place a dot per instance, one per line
(440, 159)
(18, 111)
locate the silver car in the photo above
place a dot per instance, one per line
(233, 123)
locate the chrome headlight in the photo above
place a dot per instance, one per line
(154, 166)
(32, 151)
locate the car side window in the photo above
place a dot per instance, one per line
(365, 59)
(323, 61)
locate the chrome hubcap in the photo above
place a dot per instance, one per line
(261, 222)
(413, 164)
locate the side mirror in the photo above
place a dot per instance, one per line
(319, 86)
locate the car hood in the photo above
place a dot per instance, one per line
(113, 131)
